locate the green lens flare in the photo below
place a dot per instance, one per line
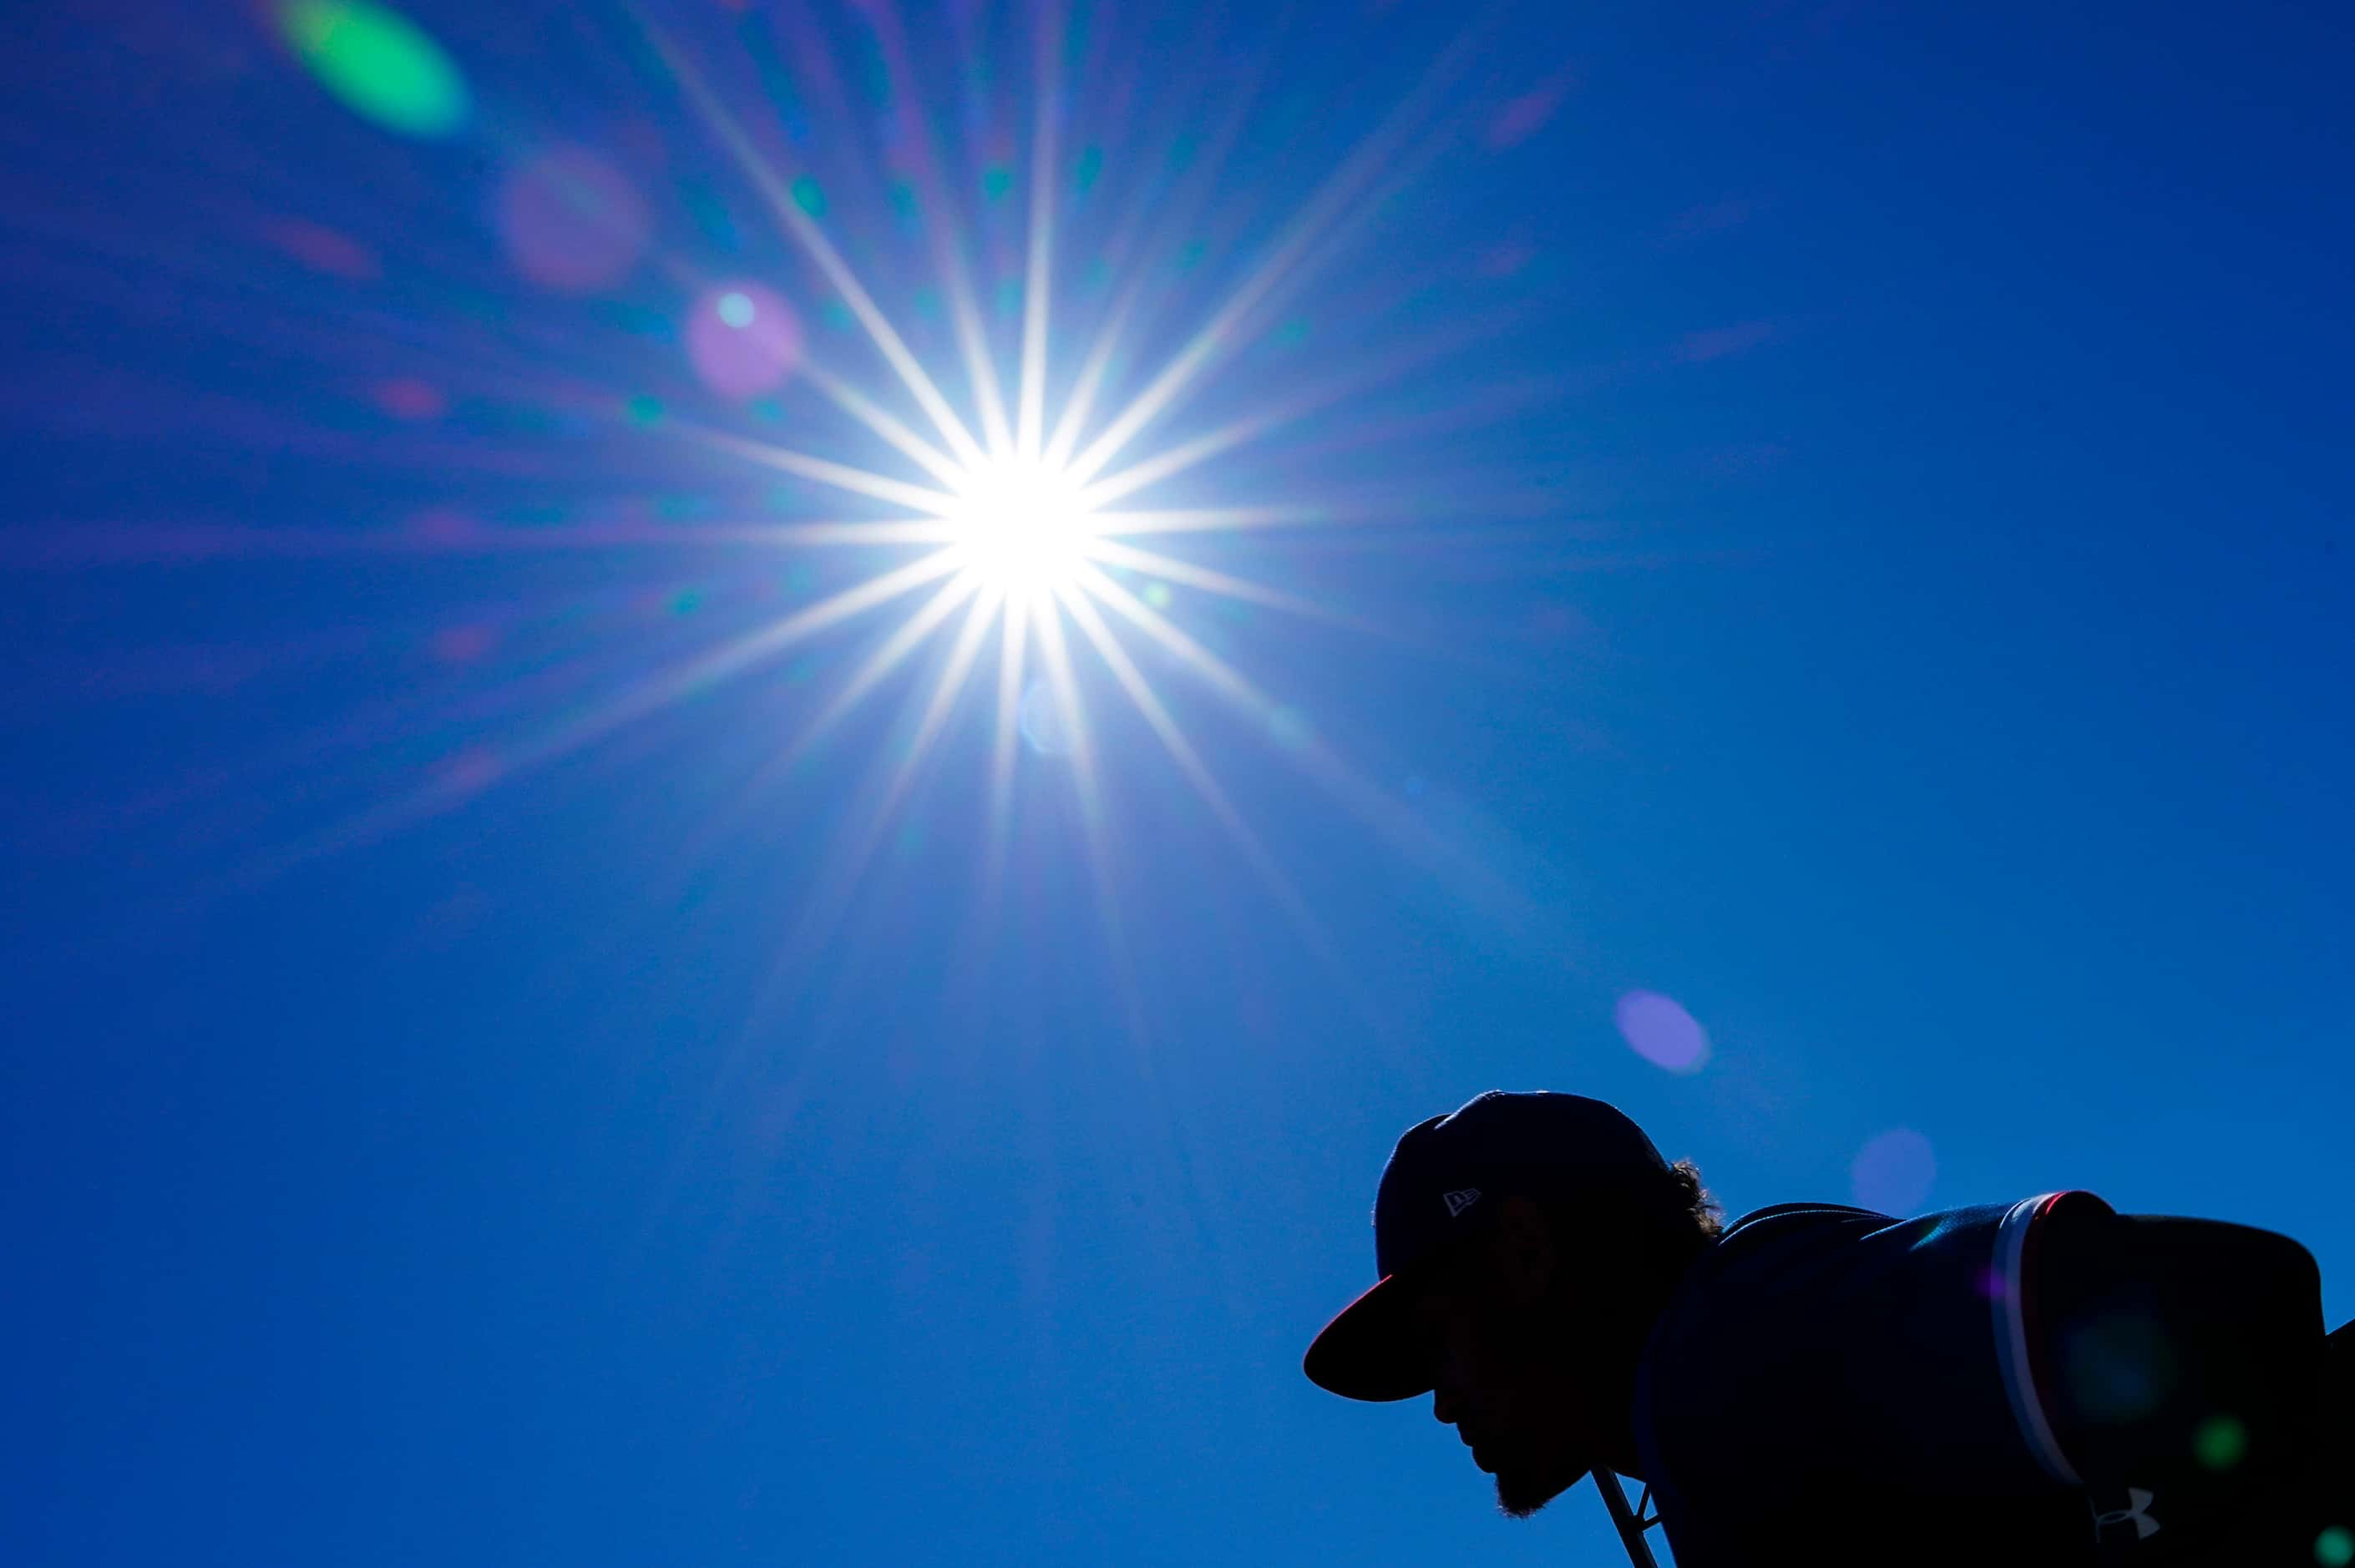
(2219, 1442)
(378, 63)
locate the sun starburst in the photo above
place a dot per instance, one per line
(1032, 546)
(1023, 527)
(1030, 517)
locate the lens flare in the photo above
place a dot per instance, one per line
(1661, 1031)
(743, 340)
(571, 222)
(1894, 1171)
(2219, 1442)
(380, 64)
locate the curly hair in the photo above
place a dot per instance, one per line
(1695, 1202)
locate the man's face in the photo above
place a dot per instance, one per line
(1503, 1375)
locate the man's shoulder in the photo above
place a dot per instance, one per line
(1790, 1219)
(1801, 1260)
(1857, 1236)
(1849, 1287)
(1786, 1230)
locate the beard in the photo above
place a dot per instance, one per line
(1516, 1500)
(1521, 1493)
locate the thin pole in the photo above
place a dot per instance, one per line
(1622, 1517)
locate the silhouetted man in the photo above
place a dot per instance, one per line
(2044, 1382)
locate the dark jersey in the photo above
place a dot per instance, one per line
(2033, 1384)
(1832, 1385)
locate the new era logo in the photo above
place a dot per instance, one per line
(1462, 1199)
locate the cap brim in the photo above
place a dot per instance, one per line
(1373, 1350)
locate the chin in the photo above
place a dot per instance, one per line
(1521, 1494)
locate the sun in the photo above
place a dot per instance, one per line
(1023, 526)
(1037, 532)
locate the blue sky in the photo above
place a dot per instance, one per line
(1834, 515)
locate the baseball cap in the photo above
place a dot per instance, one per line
(1442, 1185)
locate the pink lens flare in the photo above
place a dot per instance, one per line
(743, 339)
(1893, 1172)
(1661, 1031)
(571, 221)
(407, 397)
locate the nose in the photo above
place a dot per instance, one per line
(1446, 1407)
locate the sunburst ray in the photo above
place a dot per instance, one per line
(1217, 335)
(1031, 419)
(1225, 584)
(820, 250)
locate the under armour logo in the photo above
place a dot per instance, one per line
(2137, 1504)
(1462, 1199)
